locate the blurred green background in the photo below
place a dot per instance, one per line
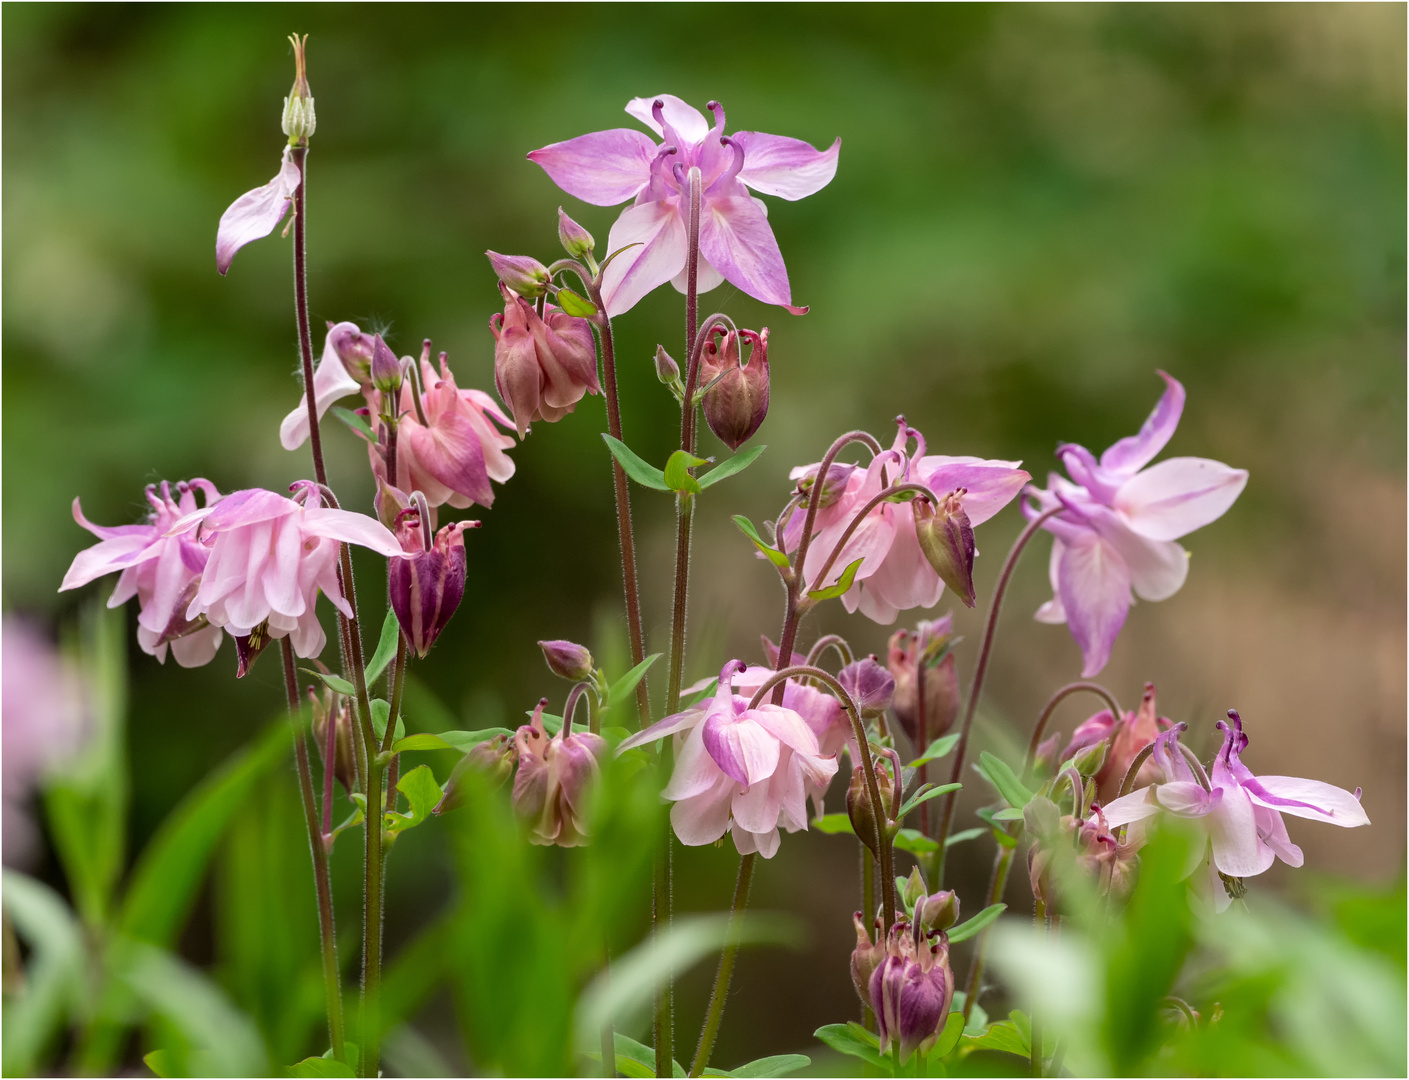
(1036, 207)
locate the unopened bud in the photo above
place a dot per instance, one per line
(386, 368)
(737, 402)
(938, 911)
(667, 370)
(832, 487)
(299, 120)
(947, 539)
(522, 273)
(427, 586)
(1088, 761)
(337, 711)
(493, 759)
(914, 889)
(567, 660)
(858, 805)
(354, 349)
(576, 240)
(865, 958)
(870, 685)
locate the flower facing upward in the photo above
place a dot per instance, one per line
(751, 770)
(736, 242)
(268, 558)
(553, 778)
(1119, 525)
(161, 570)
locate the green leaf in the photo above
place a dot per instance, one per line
(773, 554)
(54, 976)
(676, 476)
(386, 647)
(380, 711)
(736, 464)
(163, 1062)
(335, 683)
(645, 475)
(424, 741)
(1004, 838)
(636, 1059)
(855, 1041)
(963, 836)
(574, 304)
(625, 686)
(171, 867)
(1002, 1036)
(422, 792)
(834, 824)
(915, 842)
(949, 1036)
(831, 592)
(320, 1066)
(468, 740)
(356, 423)
(925, 795)
(776, 1065)
(1008, 813)
(969, 927)
(1002, 777)
(941, 747)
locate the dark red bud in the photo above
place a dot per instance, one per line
(737, 402)
(427, 587)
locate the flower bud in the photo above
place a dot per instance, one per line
(870, 686)
(912, 654)
(1088, 761)
(354, 349)
(576, 240)
(737, 401)
(567, 660)
(939, 911)
(386, 368)
(522, 273)
(427, 587)
(865, 958)
(832, 487)
(911, 990)
(493, 758)
(913, 890)
(299, 120)
(1045, 759)
(858, 805)
(337, 710)
(667, 370)
(947, 540)
(551, 787)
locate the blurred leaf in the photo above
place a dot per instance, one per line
(163, 1063)
(915, 842)
(997, 773)
(969, 927)
(676, 476)
(855, 1041)
(941, 747)
(645, 475)
(422, 792)
(53, 978)
(356, 423)
(1003, 1037)
(336, 683)
(320, 1066)
(949, 1036)
(776, 1065)
(636, 1059)
(963, 836)
(424, 741)
(386, 647)
(406, 1052)
(171, 867)
(465, 740)
(776, 557)
(833, 824)
(1008, 813)
(575, 305)
(925, 794)
(831, 592)
(416, 970)
(725, 469)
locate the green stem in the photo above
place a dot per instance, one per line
(726, 968)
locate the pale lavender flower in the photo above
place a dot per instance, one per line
(736, 242)
(1120, 524)
(255, 214)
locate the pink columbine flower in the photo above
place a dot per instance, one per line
(895, 574)
(1241, 812)
(268, 558)
(1120, 524)
(346, 349)
(255, 214)
(554, 776)
(542, 366)
(911, 653)
(1128, 736)
(736, 242)
(161, 570)
(751, 770)
(427, 586)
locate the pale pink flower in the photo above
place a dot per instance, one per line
(255, 214)
(894, 574)
(736, 242)
(331, 380)
(749, 770)
(554, 777)
(161, 570)
(269, 557)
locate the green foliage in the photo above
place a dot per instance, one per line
(729, 467)
(386, 647)
(831, 592)
(776, 557)
(644, 474)
(677, 478)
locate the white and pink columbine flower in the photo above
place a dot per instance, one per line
(1119, 525)
(268, 558)
(746, 770)
(161, 570)
(345, 342)
(1242, 813)
(894, 573)
(736, 242)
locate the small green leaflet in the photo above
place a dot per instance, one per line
(626, 685)
(422, 792)
(915, 842)
(355, 422)
(332, 682)
(736, 464)
(997, 772)
(644, 474)
(969, 927)
(386, 647)
(746, 527)
(380, 711)
(941, 747)
(574, 304)
(925, 795)
(834, 824)
(961, 837)
(676, 476)
(831, 592)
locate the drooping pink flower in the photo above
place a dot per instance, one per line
(268, 558)
(1119, 525)
(925, 651)
(1131, 734)
(542, 366)
(554, 775)
(736, 242)
(427, 586)
(255, 214)
(749, 770)
(161, 570)
(894, 573)
(345, 349)
(1241, 812)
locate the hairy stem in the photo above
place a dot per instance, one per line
(299, 157)
(1055, 700)
(726, 968)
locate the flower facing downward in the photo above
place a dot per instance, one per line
(736, 242)
(542, 366)
(911, 988)
(1131, 734)
(735, 394)
(345, 365)
(553, 779)
(427, 586)
(926, 650)
(1119, 524)
(161, 570)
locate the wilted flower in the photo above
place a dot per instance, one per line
(161, 570)
(343, 369)
(924, 649)
(427, 586)
(553, 779)
(1095, 850)
(255, 214)
(736, 241)
(567, 659)
(1134, 732)
(542, 366)
(1119, 525)
(735, 394)
(911, 988)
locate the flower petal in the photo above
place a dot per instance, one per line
(788, 168)
(255, 213)
(1136, 806)
(1187, 798)
(657, 227)
(1237, 849)
(689, 123)
(1307, 799)
(991, 485)
(738, 241)
(661, 728)
(603, 168)
(1135, 451)
(1175, 497)
(1052, 611)
(704, 818)
(1157, 567)
(108, 556)
(330, 382)
(351, 528)
(787, 727)
(1094, 586)
(741, 748)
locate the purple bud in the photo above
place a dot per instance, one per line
(354, 349)
(493, 758)
(870, 686)
(737, 402)
(667, 370)
(832, 487)
(334, 709)
(911, 990)
(427, 587)
(576, 240)
(947, 539)
(938, 911)
(522, 273)
(386, 368)
(567, 660)
(912, 653)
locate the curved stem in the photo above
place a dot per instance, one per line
(835, 641)
(1134, 770)
(855, 523)
(823, 467)
(1052, 703)
(981, 669)
(726, 969)
(322, 885)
